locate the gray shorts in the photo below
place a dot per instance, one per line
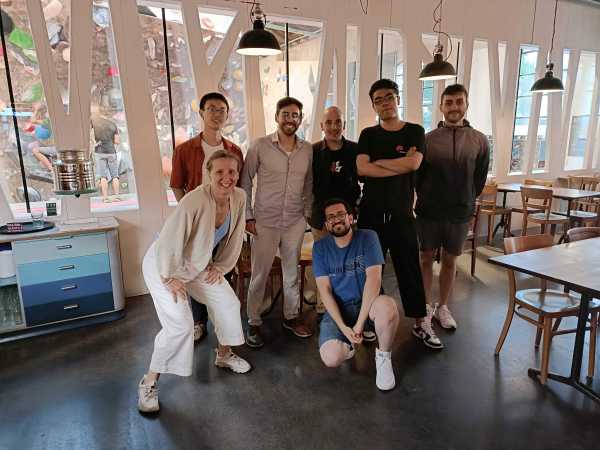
(107, 166)
(441, 233)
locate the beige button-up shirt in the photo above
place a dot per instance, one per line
(283, 182)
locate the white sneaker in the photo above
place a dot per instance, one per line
(385, 379)
(425, 332)
(233, 362)
(443, 316)
(147, 397)
(351, 353)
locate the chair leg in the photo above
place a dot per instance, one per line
(473, 257)
(507, 321)
(538, 334)
(547, 340)
(593, 333)
(543, 228)
(490, 229)
(508, 224)
(524, 226)
(553, 229)
(556, 325)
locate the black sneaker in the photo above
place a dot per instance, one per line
(427, 335)
(254, 337)
(369, 336)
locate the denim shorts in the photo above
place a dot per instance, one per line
(329, 330)
(107, 166)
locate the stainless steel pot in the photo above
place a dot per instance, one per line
(74, 173)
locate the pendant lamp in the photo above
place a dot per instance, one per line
(549, 83)
(439, 68)
(258, 41)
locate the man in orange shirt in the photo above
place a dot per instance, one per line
(189, 168)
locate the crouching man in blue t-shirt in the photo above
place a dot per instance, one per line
(347, 265)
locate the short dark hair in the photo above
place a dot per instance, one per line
(213, 96)
(287, 101)
(454, 89)
(384, 83)
(336, 201)
(222, 154)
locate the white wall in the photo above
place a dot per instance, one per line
(578, 27)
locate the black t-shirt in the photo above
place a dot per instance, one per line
(389, 195)
(334, 175)
(104, 133)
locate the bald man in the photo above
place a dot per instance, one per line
(334, 168)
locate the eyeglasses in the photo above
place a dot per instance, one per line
(333, 218)
(294, 116)
(213, 110)
(386, 99)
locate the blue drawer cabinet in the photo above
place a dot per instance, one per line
(65, 277)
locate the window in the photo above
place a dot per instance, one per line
(107, 104)
(565, 75)
(34, 130)
(480, 106)
(391, 64)
(352, 50)
(539, 162)
(527, 68)
(581, 111)
(304, 47)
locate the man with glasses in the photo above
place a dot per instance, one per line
(281, 163)
(389, 155)
(189, 169)
(348, 266)
(452, 176)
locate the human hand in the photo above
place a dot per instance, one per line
(358, 328)
(212, 275)
(411, 151)
(352, 336)
(251, 228)
(176, 287)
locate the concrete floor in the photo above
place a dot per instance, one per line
(77, 389)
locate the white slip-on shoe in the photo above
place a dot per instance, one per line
(148, 397)
(385, 379)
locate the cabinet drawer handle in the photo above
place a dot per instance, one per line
(64, 246)
(73, 306)
(68, 267)
(68, 287)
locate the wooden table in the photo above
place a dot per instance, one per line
(557, 192)
(575, 265)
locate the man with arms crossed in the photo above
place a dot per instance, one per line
(388, 156)
(281, 163)
(451, 177)
(189, 169)
(347, 265)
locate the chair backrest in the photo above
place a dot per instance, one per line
(522, 244)
(536, 198)
(487, 198)
(538, 182)
(581, 233)
(584, 183)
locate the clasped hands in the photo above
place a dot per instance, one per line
(177, 287)
(354, 334)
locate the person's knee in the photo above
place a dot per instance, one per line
(448, 259)
(426, 256)
(385, 311)
(332, 354)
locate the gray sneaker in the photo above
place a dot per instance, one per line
(148, 397)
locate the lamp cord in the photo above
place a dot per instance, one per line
(437, 27)
(533, 25)
(553, 28)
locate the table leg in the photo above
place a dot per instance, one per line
(564, 235)
(574, 378)
(502, 222)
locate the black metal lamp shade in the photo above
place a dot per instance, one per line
(258, 41)
(438, 69)
(549, 83)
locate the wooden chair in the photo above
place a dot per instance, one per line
(243, 271)
(488, 207)
(534, 182)
(585, 211)
(540, 199)
(550, 306)
(472, 237)
(581, 233)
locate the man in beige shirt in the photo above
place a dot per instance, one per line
(281, 163)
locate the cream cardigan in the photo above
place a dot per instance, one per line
(184, 246)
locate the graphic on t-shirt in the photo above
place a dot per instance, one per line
(336, 167)
(400, 149)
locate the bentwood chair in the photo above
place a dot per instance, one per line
(544, 308)
(532, 182)
(587, 210)
(540, 199)
(488, 207)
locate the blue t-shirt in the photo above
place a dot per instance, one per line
(346, 267)
(221, 232)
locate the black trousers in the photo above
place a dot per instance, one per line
(399, 236)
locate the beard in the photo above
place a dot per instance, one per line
(289, 129)
(337, 232)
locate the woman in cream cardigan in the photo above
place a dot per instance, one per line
(199, 243)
